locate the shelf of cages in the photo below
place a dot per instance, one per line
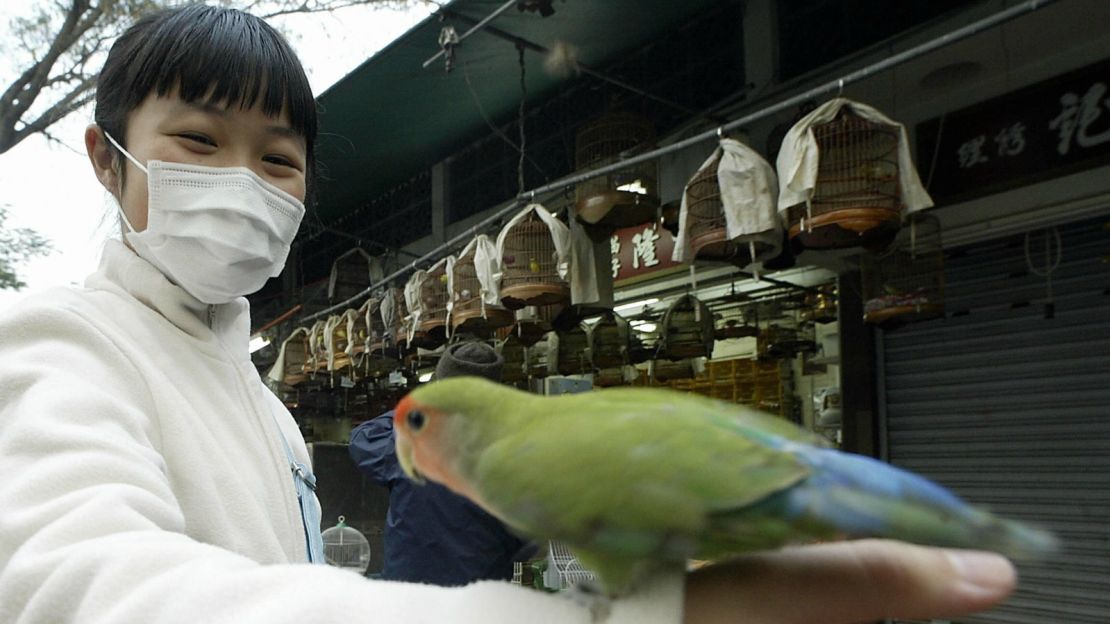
(757, 383)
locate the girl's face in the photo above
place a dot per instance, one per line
(169, 129)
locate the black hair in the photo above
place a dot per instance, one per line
(224, 56)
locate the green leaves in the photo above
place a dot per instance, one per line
(17, 245)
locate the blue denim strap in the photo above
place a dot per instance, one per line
(305, 484)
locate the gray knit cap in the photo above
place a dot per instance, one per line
(470, 358)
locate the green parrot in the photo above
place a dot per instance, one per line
(641, 480)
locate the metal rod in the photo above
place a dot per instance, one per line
(836, 84)
(489, 18)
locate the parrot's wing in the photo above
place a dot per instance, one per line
(616, 474)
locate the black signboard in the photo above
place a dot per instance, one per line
(1045, 130)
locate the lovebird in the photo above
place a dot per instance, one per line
(641, 480)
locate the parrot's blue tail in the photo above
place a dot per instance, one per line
(863, 497)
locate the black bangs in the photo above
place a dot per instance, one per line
(228, 57)
(222, 56)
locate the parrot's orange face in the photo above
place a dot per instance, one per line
(424, 445)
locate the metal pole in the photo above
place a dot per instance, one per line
(489, 18)
(838, 84)
(897, 59)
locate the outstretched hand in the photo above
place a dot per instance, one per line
(847, 582)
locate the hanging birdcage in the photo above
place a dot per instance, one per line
(570, 347)
(533, 251)
(392, 313)
(352, 274)
(337, 340)
(512, 352)
(645, 339)
(358, 328)
(475, 295)
(294, 356)
(906, 282)
(784, 332)
(857, 198)
(687, 330)
(609, 341)
(705, 230)
(318, 352)
(621, 198)
(431, 323)
(737, 323)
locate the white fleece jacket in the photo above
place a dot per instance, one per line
(142, 479)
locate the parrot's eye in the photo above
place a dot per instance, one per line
(415, 420)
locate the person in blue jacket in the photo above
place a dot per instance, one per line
(433, 535)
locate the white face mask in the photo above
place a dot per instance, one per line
(217, 232)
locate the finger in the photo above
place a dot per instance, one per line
(849, 582)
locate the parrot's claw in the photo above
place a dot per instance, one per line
(589, 594)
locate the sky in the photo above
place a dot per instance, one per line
(50, 187)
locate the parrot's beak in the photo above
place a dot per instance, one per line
(404, 456)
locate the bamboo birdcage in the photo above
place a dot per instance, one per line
(351, 274)
(469, 313)
(687, 330)
(369, 330)
(737, 323)
(295, 352)
(906, 283)
(625, 197)
(432, 328)
(609, 341)
(571, 355)
(338, 339)
(857, 197)
(530, 259)
(706, 225)
(645, 339)
(392, 312)
(318, 358)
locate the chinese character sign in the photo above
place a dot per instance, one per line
(1050, 128)
(640, 250)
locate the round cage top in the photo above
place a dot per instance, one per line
(687, 329)
(346, 547)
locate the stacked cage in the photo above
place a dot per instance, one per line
(784, 330)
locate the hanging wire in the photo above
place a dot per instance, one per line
(520, 122)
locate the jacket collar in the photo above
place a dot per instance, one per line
(122, 271)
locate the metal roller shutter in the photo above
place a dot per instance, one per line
(1012, 410)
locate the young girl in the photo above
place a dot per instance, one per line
(147, 473)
